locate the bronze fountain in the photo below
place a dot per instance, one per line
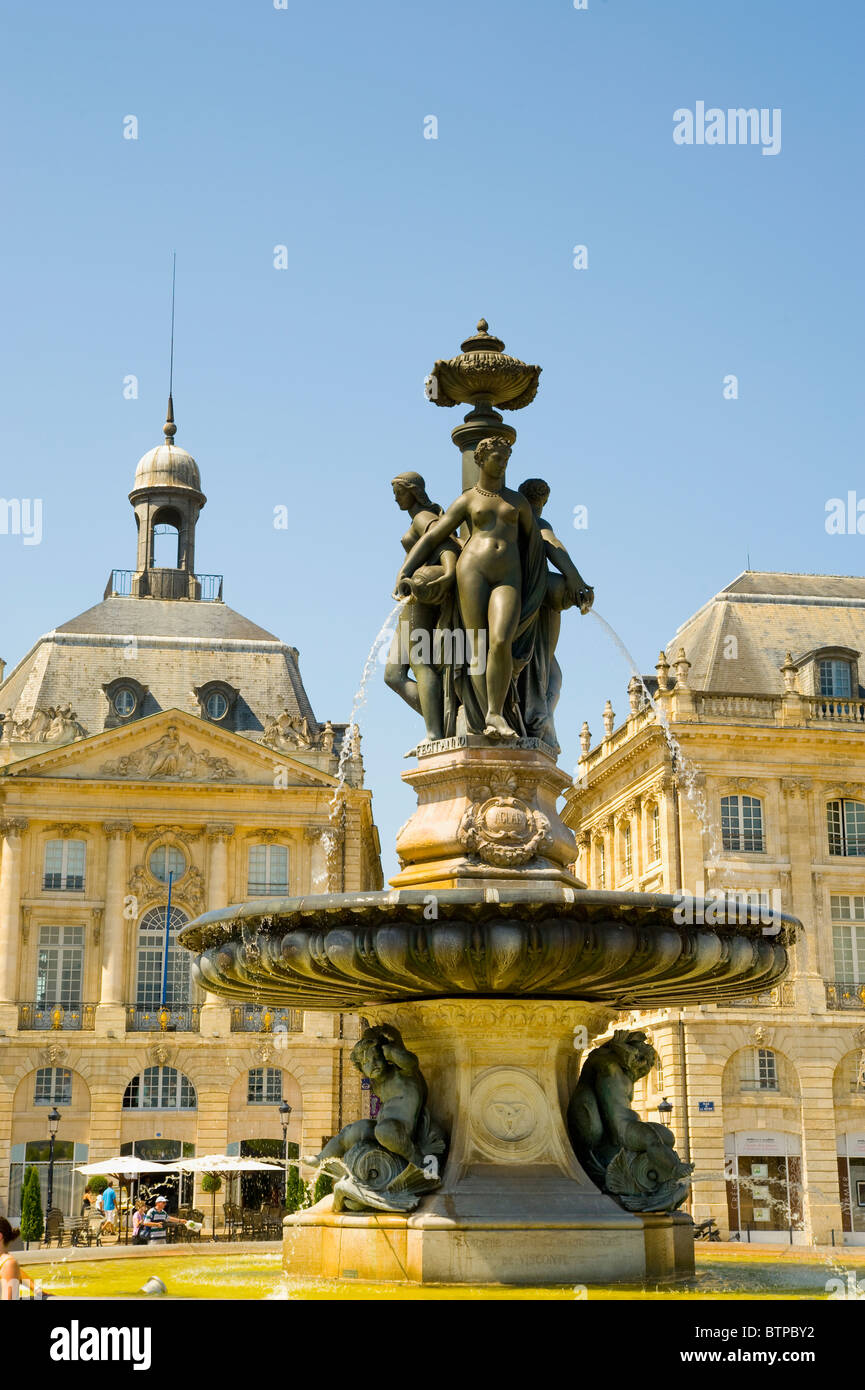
(505, 1148)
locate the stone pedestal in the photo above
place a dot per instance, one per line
(514, 1206)
(486, 814)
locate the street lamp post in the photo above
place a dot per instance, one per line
(665, 1110)
(53, 1122)
(285, 1116)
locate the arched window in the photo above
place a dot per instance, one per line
(165, 539)
(742, 824)
(151, 961)
(845, 822)
(64, 866)
(264, 1086)
(268, 870)
(160, 1088)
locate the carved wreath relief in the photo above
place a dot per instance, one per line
(504, 831)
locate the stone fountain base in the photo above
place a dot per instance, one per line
(514, 1206)
(486, 815)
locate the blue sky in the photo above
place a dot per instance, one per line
(304, 386)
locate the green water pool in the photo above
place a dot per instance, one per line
(260, 1276)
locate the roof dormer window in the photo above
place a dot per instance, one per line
(836, 678)
(216, 700)
(126, 698)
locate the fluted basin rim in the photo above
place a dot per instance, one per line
(273, 915)
(343, 950)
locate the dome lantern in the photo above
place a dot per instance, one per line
(166, 497)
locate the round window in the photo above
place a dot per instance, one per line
(216, 705)
(125, 701)
(167, 860)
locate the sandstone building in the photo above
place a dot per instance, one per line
(161, 742)
(762, 792)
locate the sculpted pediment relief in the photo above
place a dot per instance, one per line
(173, 746)
(172, 759)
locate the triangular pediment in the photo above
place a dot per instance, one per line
(170, 747)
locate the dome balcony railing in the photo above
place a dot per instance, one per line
(120, 585)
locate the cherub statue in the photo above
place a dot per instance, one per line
(633, 1160)
(389, 1162)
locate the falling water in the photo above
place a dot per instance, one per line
(331, 836)
(687, 770)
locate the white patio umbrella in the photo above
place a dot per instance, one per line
(125, 1166)
(223, 1166)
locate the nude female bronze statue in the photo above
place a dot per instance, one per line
(500, 582)
(417, 621)
(541, 682)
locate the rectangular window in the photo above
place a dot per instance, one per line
(742, 824)
(767, 1074)
(845, 822)
(64, 866)
(761, 1072)
(848, 937)
(60, 967)
(268, 869)
(265, 1086)
(53, 1086)
(835, 679)
(656, 833)
(627, 855)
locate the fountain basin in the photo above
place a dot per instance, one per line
(626, 950)
(497, 991)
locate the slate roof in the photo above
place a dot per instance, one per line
(769, 614)
(178, 645)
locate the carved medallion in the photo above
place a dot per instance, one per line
(504, 831)
(509, 1115)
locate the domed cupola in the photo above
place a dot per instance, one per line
(166, 496)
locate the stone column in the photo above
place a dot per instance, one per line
(215, 1018)
(804, 897)
(820, 1186)
(11, 830)
(607, 828)
(115, 928)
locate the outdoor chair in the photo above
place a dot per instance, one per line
(78, 1231)
(54, 1226)
(272, 1222)
(258, 1231)
(231, 1219)
(94, 1229)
